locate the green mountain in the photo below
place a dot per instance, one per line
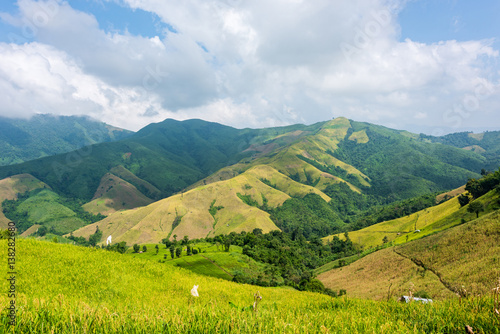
(167, 156)
(366, 163)
(45, 135)
(487, 144)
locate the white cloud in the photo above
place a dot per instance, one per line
(243, 63)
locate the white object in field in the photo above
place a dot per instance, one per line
(108, 241)
(194, 291)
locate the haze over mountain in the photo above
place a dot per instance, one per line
(45, 135)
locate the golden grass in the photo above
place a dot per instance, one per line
(152, 223)
(359, 137)
(371, 276)
(372, 236)
(467, 255)
(115, 194)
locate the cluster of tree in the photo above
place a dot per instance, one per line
(288, 257)
(479, 187)
(311, 215)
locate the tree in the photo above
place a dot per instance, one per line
(195, 251)
(172, 251)
(178, 252)
(385, 240)
(96, 237)
(136, 248)
(188, 251)
(42, 231)
(157, 249)
(144, 248)
(185, 240)
(475, 207)
(227, 244)
(463, 199)
(257, 231)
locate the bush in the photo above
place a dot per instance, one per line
(136, 248)
(422, 294)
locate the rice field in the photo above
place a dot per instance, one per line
(69, 289)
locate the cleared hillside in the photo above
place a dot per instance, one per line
(115, 194)
(465, 255)
(222, 207)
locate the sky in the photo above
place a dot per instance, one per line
(427, 66)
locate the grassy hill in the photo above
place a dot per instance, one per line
(95, 291)
(45, 135)
(374, 164)
(452, 250)
(115, 194)
(222, 207)
(440, 264)
(12, 186)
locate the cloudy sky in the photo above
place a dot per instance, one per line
(422, 65)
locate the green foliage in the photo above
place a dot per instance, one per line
(488, 182)
(213, 209)
(475, 207)
(463, 199)
(248, 200)
(136, 248)
(144, 248)
(309, 216)
(95, 238)
(120, 247)
(178, 252)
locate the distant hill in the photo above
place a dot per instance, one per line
(45, 135)
(485, 143)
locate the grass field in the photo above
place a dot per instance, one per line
(440, 264)
(79, 290)
(211, 261)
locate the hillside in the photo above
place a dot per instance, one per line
(95, 291)
(222, 207)
(12, 186)
(45, 135)
(486, 144)
(160, 159)
(371, 159)
(439, 263)
(115, 194)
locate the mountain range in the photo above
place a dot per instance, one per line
(199, 178)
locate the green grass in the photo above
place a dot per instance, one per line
(211, 262)
(79, 290)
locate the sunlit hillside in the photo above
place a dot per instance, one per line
(222, 207)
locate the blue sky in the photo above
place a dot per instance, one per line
(420, 65)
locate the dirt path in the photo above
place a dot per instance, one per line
(419, 263)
